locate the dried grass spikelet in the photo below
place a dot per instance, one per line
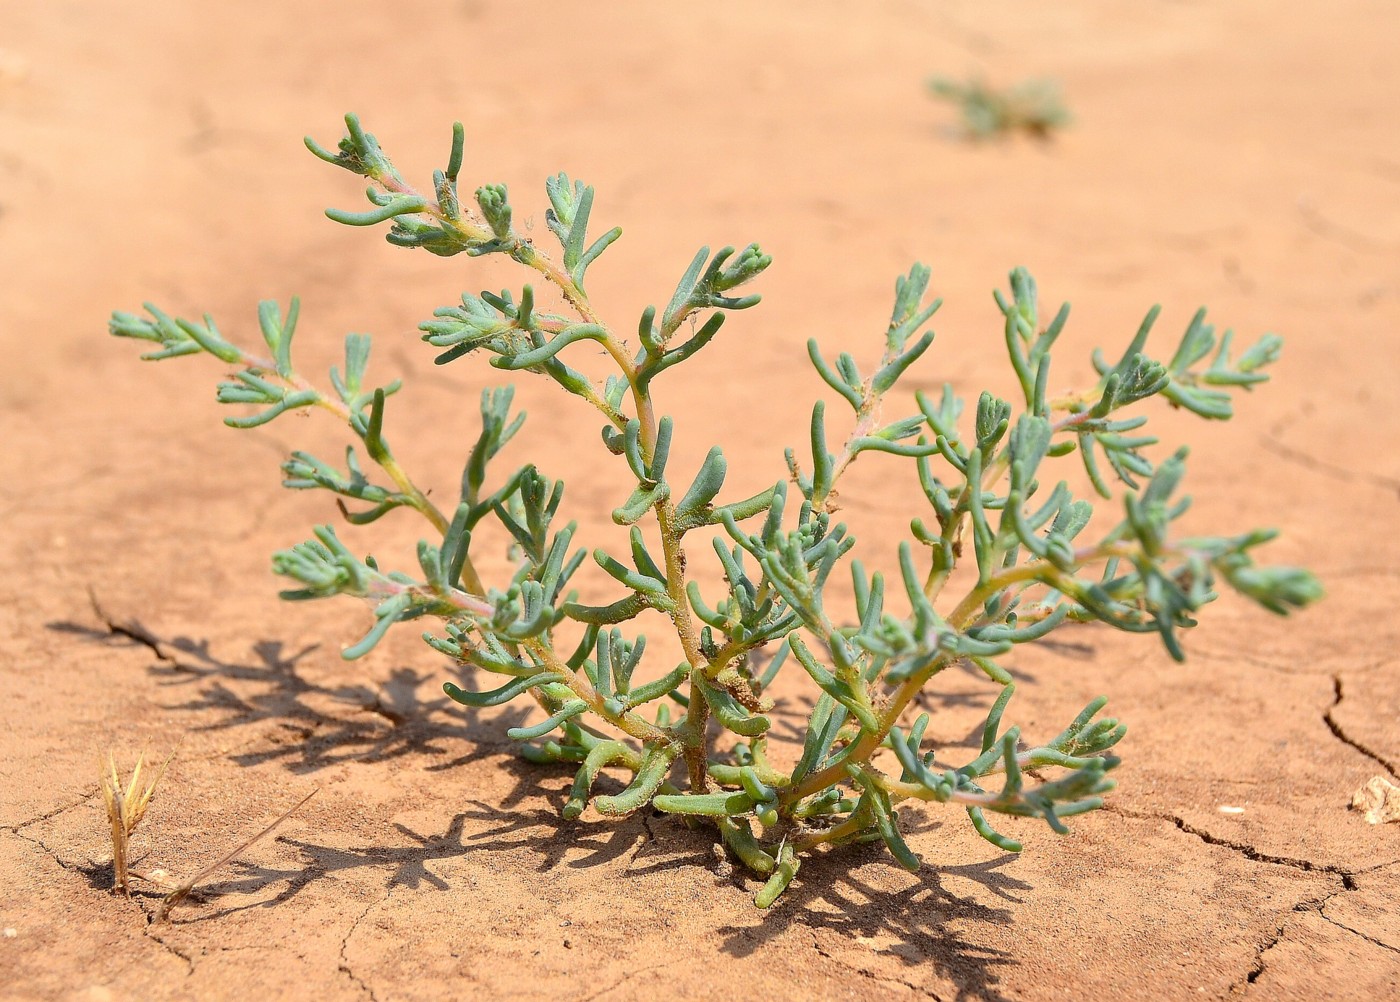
(125, 809)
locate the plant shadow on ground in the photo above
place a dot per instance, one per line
(316, 725)
(918, 925)
(320, 725)
(913, 925)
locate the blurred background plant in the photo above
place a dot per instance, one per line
(1035, 106)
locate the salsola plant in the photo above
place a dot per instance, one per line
(693, 739)
(1031, 106)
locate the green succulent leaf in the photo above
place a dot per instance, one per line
(1000, 551)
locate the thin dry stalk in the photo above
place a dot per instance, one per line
(178, 894)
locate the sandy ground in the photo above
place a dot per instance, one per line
(1241, 155)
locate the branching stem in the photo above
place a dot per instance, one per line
(1028, 563)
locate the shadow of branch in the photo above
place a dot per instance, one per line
(315, 724)
(324, 724)
(924, 924)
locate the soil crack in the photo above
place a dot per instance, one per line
(344, 967)
(648, 838)
(1252, 975)
(1314, 904)
(148, 932)
(83, 799)
(132, 631)
(621, 981)
(1357, 932)
(168, 947)
(1346, 739)
(1244, 849)
(34, 840)
(1319, 907)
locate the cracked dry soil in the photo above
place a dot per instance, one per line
(1242, 156)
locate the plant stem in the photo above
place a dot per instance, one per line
(868, 741)
(694, 731)
(852, 826)
(628, 722)
(417, 500)
(962, 616)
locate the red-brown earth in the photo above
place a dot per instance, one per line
(1241, 155)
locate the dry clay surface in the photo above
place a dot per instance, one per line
(1241, 155)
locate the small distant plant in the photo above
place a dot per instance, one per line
(1032, 106)
(693, 739)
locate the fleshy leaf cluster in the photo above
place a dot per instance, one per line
(696, 738)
